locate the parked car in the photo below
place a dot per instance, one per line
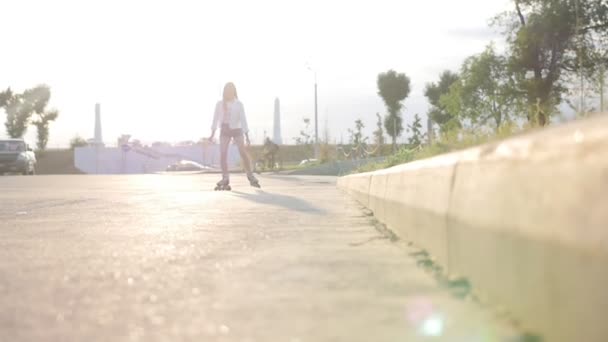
(16, 157)
(308, 162)
(187, 165)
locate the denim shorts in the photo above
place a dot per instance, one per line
(231, 133)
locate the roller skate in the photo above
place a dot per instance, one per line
(253, 181)
(223, 185)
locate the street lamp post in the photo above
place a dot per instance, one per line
(316, 116)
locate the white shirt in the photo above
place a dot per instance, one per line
(235, 116)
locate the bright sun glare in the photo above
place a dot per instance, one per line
(157, 67)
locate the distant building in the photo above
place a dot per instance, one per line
(276, 137)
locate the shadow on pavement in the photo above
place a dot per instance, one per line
(285, 201)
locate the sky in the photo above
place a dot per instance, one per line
(158, 67)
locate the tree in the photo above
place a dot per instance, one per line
(357, 140)
(417, 136)
(305, 136)
(599, 68)
(379, 132)
(393, 88)
(546, 39)
(356, 135)
(42, 127)
(38, 98)
(485, 94)
(394, 127)
(20, 108)
(326, 135)
(325, 149)
(433, 92)
(17, 115)
(77, 141)
(601, 86)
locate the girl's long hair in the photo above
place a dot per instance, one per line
(228, 86)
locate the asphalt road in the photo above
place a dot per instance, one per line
(165, 258)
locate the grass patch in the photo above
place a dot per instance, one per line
(448, 142)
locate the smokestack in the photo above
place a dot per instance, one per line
(98, 138)
(277, 123)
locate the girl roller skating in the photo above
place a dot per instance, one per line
(230, 118)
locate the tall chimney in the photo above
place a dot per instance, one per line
(98, 138)
(277, 123)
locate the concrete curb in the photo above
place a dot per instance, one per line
(525, 220)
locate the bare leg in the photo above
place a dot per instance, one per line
(245, 160)
(224, 144)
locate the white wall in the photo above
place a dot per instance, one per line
(113, 160)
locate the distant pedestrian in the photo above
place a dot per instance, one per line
(270, 152)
